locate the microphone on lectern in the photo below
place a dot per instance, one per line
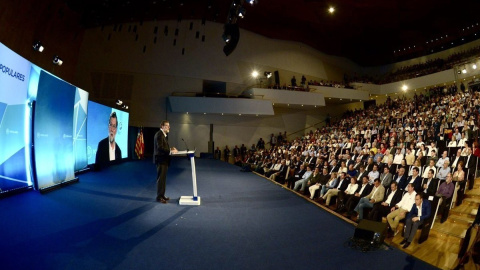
(185, 144)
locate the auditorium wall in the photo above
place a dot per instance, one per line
(112, 65)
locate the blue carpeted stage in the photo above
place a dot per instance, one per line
(110, 220)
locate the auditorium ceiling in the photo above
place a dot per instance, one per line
(369, 32)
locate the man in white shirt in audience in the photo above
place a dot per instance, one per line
(399, 211)
(441, 160)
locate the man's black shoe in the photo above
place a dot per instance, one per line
(166, 198)
(162, 200)
(403, 242)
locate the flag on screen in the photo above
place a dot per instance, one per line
(139, 145)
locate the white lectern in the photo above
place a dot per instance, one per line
(190, 200)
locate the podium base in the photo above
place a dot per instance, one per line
(188, 200)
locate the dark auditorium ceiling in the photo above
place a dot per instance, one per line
(365, 31)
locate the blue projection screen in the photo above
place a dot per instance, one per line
(53, 128)
(98, 130)
(14, 120)
(80, 129)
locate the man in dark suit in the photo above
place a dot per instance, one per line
(401, 179)
(429, 184)
(416, 180)
(161, 157)
(420, 211)
(391, 198)
(470, 164)
(107, 149)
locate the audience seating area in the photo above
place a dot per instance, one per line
(435, 131)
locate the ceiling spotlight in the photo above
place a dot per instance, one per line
(241, 12)
(267, 74)
(254, 74)
(404, 87)
(474, 66)
(331, 10)
(226, 37)
(464, 70)
(251, 2)
(125, 107)
(37, 46)
(57, 61)
(119, 102)
(459, 71)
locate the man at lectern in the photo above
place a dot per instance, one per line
(107, 149)
(161, 158)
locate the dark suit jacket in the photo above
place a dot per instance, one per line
(343, 186)
(402, 184)
(432, 188)
(426, 210)
(471, 163)
(365, 191)
(102, 157)
(417, 183)
(161, 151)
(396, 198)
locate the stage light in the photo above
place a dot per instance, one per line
(254, 74)
(119, 102)
(241, 12)
(226, 37)
(474, 66)
(57, 61)
(37, 46)
(404, 87)
(267, 74)
(331, 10)
(464, 70)
(251, 2)
(459, 71)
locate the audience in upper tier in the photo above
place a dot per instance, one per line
(390, 148)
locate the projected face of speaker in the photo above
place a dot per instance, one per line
(112, 129)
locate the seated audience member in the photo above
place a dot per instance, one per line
(415, 180)
(419, 212)
(444, 170)
(313, 178)
(351, 171)
(375, 196)
(416, 164)
(459, 176)
(297, 175)
(302, 183)
(386, 177)
(332, 183)
(429, 184)
(391, 198)
(348, 202)
(445, 191)
(410, 157)
(456, 159)
(374, 174)
(399, 211)
(351, 188)
(341, 186)
(442, 160)
(322, 180)
(362, 172)
(275, 168)
(280, 175)
(432, 167)
(401, 179)
(397, 159)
